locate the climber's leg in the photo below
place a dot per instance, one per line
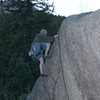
(47, 49)
(41, 65)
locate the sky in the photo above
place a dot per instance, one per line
(70, 7)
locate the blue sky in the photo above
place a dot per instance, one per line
(70, 7)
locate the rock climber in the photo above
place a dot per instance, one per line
(42, 42)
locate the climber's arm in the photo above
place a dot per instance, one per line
(55, 36)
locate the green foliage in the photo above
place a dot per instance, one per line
(27, 6)
(18, 72)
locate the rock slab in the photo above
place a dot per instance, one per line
(74, 69)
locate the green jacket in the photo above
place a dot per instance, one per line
(40, 38)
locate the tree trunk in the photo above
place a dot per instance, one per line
(29, 7)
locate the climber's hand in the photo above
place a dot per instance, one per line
(56, 35)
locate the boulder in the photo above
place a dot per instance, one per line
(74, 69)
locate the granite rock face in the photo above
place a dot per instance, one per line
(74, 69)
